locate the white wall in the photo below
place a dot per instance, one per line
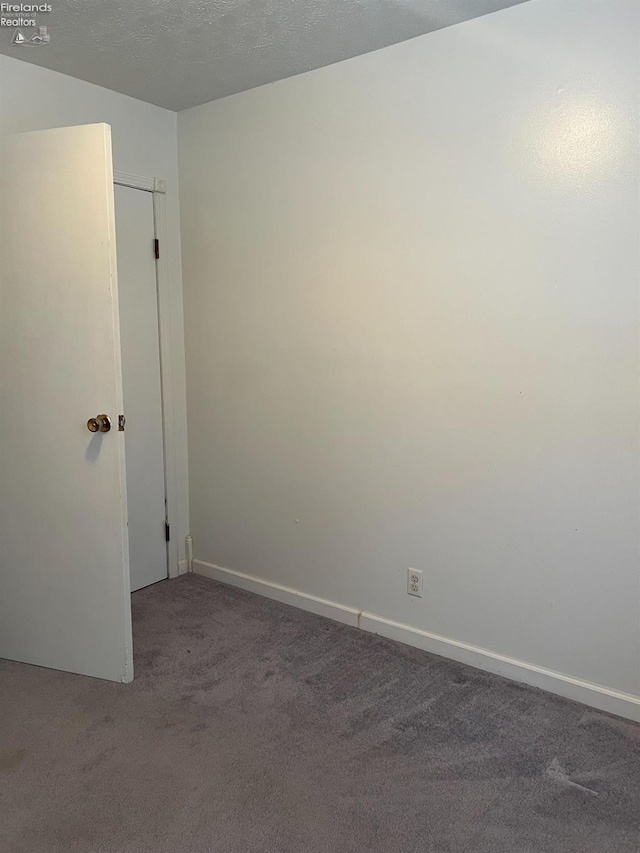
(144, 143)
(411, 301)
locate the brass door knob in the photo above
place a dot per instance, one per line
(101, 423)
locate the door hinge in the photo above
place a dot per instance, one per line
(156, 248)
(167, 532)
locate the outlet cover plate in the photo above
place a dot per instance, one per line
(414, 582)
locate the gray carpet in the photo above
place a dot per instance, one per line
(253, 727)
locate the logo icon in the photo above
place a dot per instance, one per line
(41, 37)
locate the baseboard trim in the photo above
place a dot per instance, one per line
(311, 603)
(587, 693)
(177, 569)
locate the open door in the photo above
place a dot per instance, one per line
(64, 562)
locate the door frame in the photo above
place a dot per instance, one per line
(158, 188)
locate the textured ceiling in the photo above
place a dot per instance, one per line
(179, 53)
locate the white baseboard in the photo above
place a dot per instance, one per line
(602, 698)
(183, 567)
(594, 695)
(338, 612)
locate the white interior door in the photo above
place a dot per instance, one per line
(139, 335)
(64, 579)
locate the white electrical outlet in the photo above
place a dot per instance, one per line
(414, 582)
